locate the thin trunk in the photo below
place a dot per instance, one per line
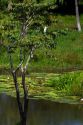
(18, 95)
(25, 106)
(77, 15)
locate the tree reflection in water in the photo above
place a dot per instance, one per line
(40, 112)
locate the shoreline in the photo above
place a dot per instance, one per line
(4, 70)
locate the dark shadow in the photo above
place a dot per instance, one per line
(18, 123)
(65, 10)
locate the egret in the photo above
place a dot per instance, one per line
(45, 29)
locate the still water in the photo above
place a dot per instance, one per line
(41, 112)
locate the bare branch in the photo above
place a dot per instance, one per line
(19, 66)
(27, 27)
(27, 62)
(29, 57)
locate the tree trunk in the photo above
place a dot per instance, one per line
(25, 106)
(77, 15)
(17, 94)
(22, 107)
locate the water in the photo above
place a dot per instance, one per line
(41, 112)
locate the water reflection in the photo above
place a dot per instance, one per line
(50, 113)
(8, 110)
(40, 112)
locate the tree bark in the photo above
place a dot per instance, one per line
(25, 106)
(22, 107)
(77, 15)
(17, 94)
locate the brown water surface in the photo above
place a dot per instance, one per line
(41, 112)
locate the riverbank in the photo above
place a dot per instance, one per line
(6, 71)
(67, 87)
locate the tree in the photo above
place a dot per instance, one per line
(15, 36)
(74, 4)
(71, 6)
(77, 16)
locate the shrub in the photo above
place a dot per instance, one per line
(71, 83)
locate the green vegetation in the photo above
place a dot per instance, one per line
(67, 56)
(68, 52)
(67, 87)
(69, 83)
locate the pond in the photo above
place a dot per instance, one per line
(41, 112)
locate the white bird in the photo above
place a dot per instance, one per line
(45, 29)
(81, 99)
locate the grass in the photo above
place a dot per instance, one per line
(70, 84)
(68, 53)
